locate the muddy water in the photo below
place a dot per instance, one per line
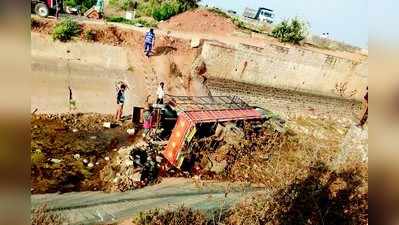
(69, 151)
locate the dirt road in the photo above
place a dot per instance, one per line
(99, 207)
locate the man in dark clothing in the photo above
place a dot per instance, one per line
(149, 42)
(120, 101)
(366, 111)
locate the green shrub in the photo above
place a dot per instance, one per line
(166, 10)
(187, 4)
(124, 4)
(146, 8)
(163, 10)
(292, 31)
(65, 30)
(116, 19)
(147, 22)
(238, 23)
(84, 4)
(37, 158)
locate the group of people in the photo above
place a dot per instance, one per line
(149, 41)
(148, 115)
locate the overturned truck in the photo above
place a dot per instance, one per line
(199, 117)
(185, 122)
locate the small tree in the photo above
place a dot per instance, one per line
(66, 29)
(292, 31)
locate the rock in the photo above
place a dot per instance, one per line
(55, 160)
(128, 163)
(354, 147)
(195, 42)
(158, 159)
(68, 186)
(136, 176)
(131, 131)
(76, 156)
(218, 167)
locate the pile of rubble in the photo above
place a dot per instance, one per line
(134, 167)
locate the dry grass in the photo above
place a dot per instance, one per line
(322, 197)
(276, 159)
(181, 216)
(295, 168)
(41, 216)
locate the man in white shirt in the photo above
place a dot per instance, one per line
(160, 93)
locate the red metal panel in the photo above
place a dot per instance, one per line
(223, 115)
(187, 120)
(176, 140)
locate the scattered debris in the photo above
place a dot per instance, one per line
(195, 42)
(139, 25)
(107, 124)
(56, 160)
(131, 131)
(76, 156)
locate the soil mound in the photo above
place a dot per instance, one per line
(199, 21)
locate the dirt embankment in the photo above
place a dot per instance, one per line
(171, 61)
(200, 21)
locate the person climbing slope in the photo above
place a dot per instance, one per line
(149, 42)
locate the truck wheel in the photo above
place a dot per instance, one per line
(41, 9)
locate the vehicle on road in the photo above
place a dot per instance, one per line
(44, 8)
(262, 14)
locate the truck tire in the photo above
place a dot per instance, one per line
(41, 9)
